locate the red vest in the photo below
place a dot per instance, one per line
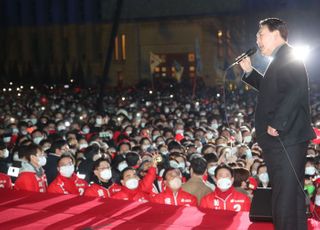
(96, 190)
(180, 198)
(5, 181)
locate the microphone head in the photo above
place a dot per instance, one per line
(251, 51)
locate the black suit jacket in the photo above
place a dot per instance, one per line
(283, 100)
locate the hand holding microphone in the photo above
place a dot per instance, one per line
(244, 60)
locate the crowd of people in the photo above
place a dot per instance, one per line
(163, 146)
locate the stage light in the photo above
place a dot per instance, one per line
(4, 89)
(218, 95)
(81, 117)
(9, 89)
(67, 123)
(12, 120)
(19, 94)
(31, 87)
(51, 87)
(21, 86)
(301, 52)
(123, 98)
(66, 86)
(150, 91)
(11, 83)
(171, 96)
(18, 89)
(71, 80)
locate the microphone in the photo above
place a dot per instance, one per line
(249, 53)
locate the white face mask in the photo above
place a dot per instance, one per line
(61, 128)
(310, 170)
(37, 140)
(6, 139)
(106, 174)
(5, 153)
(122, 166)
(99, 121)
(182, 165)
(199, 149)
(224, 184)
(247, 139)
(214, 126)
(164, 152)
(24, 132)
(67, 170)
(174, 164)
(83, 146)
(132, 183)
(85, 130)
(42, 161)
(264, 177)
(209, 136)
(211, 170)
(175, 184)
(254, 172)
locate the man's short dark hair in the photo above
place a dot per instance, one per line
(125, 170)
(223, 166)
(198, 165)
(276, 24)
(31, 150)
(132, 158)
(167, 170)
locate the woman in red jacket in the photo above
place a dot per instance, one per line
(67, 181)
(102, 184)
(32, 176)
(173, 193)
(225, 197)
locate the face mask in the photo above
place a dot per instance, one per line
(209, 135)
(175, 184)
(154, 137)
(248, 154)
(174, 164)
(5, 153)
(132, 183)
(211, 170)
(179, 131)
(182, 165)
(33, 121)
(15, 130)
(106, 174)
(214, 126)
(37, 140)
(224, 184)
(99, 121)
(145, 147)
(67, 170)
(310, 170)
(16, 157)
(122, 166)
(264, 177)
(6, 139)
(164, 152)
(83, 146)
(199, 149)
(129, 132)
(23, 132)
(61, 127)
(247, 139)
(254, 172)
(188, 106)
(42, 161)
(85, 130)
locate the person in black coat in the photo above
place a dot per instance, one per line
(282, 121)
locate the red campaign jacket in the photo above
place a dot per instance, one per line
(29, 181)
(64, 185)
(96, 190)
(146, 184)
(132, 195)
(229, 200)
(180, 198)
(5, 181)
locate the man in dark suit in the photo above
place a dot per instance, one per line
(282, 121)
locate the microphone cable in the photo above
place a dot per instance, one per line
(315, 214)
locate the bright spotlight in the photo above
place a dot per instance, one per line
(301, 52)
